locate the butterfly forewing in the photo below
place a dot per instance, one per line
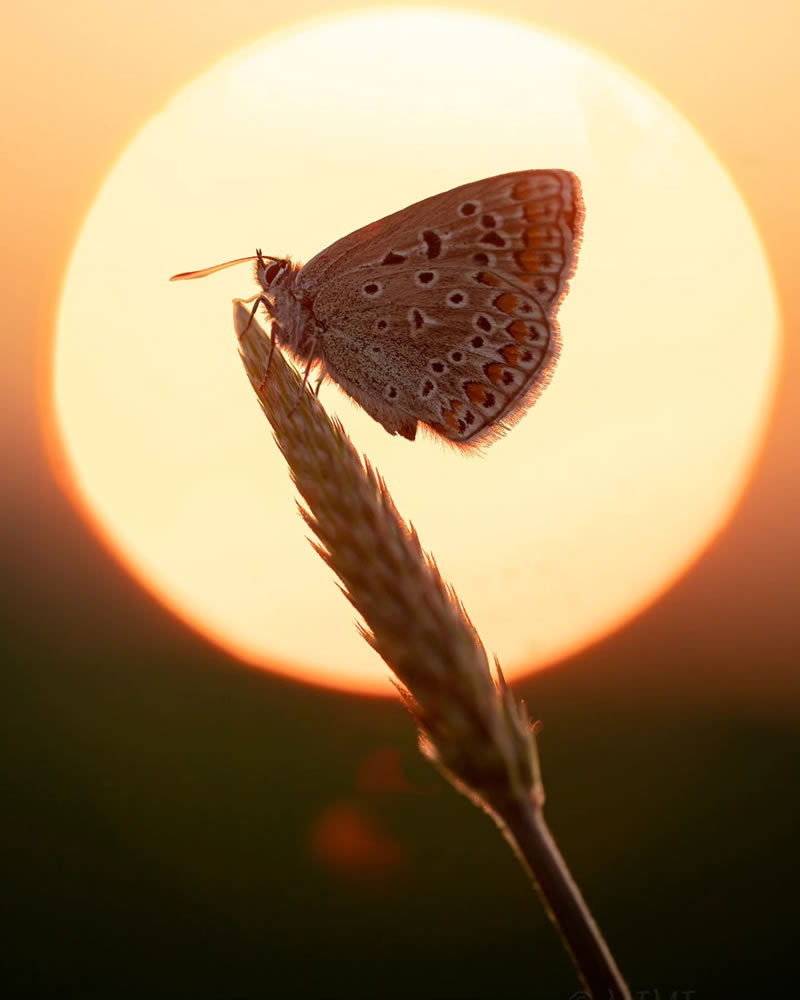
(445, 311)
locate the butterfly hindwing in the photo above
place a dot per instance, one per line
(445, 311)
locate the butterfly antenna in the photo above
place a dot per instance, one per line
(186, 275)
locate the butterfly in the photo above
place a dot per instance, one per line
(442, 314)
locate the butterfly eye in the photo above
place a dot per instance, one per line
(273, 271)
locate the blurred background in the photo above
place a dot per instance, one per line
(179, 824)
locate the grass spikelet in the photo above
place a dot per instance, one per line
(471, 726)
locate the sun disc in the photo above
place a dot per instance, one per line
(604, 493)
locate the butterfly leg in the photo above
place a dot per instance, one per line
(259, 300)
(305, 376)
(246, 302)
(263, 381)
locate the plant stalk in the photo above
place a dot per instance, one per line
(472, 727)
(527, 831)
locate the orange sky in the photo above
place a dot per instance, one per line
(83, 78)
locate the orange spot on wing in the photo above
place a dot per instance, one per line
(542, 210)
(451, 420)
(487, 278)
(519, 330)
(476, 392)
(495, 372)
(542, 238)
(533, 261)
(511, 353)
(507, 303)
(522, 190)
(450, 416)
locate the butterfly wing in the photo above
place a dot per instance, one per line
(445, 312)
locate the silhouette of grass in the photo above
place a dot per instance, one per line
(471, 726)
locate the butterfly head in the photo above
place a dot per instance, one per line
(270, 269)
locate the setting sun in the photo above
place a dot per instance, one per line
(586, 511)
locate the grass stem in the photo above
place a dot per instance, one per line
(470, 724)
